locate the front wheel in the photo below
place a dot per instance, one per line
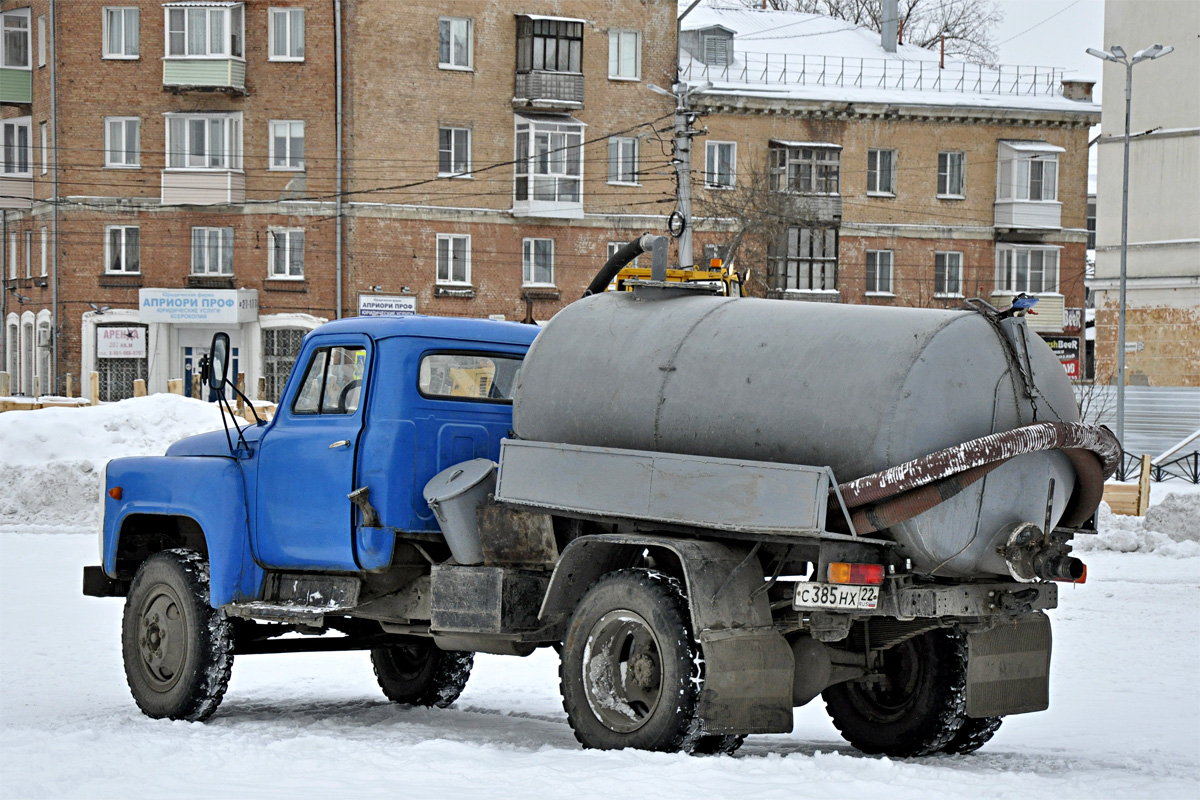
(630, 669)
(913, 705)
(178, 650)
(418, 673)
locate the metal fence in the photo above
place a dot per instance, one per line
(1157, 419)
(774, 69)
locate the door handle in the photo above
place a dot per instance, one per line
(342, 443)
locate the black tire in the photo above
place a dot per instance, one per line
(630, 673)
(418, 673)
(178, 650)
(974, 734)
(918, 707)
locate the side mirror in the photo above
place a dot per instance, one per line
(218, 360)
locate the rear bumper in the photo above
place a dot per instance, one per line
(97, 584)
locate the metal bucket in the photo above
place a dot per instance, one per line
(454, 494)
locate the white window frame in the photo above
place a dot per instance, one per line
(115, 158)
(224, 255)
(12, 255)
(711, 154)
(881, 258)
(125, 246)
(803, 259)
(44, 141)
(41, 40)
(613, 247)
(1015, 177)
(287, 16)
(947, 257)
(446, 262)
(456, 133)
(1013, 276)
(619, 43)
(29, 253)
(230, 39)
(124, 55)
(548, 172)
(14, 15)
(948, 173)
(290, 239)
(12, 170)
(453, 62)
(231, 134)
(288, 155)
(789, 164)
(528, 259)
(623, 161)
(45, 252)
(881, 183)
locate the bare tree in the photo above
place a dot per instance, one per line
(966, 25)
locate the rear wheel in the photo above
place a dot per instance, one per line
(418, 673)
(178, 650)
(630, 670)
(914, 705)
(974, 734)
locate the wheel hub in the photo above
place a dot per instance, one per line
(622, 674)
(162, 640)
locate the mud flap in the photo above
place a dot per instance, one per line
(1008, 668)
(748, 682)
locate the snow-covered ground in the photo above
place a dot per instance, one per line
(1124, 720)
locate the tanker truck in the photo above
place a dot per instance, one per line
(716, 509)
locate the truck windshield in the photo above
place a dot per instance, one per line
(489, 377)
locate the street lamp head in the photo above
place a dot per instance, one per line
(1091, 51)
(1118, 51)
(1153, 51)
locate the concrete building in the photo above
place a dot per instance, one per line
(912, 180)
(1163, 296)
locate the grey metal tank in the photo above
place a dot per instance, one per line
(856, 388)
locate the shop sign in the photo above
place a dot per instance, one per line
(381, 305)
(114, 342)
(1072, 320)
(1067, 350)
(198, 306)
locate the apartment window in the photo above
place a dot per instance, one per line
(287, 144)
(720, 162)
(204, 141)
(29, 253)
(212, 251)
(549, 162)
(286, 253)
(45, 251)
(122, 141)
(286, 34)
(950, 174)
(41, 29)
(12, 255)
(805, 169)
(1027, 175)
(552, 45)
(44, 138)
(879, 271)
(807, 260)
(613, 247)
(121, 32)
(881, 172)
(122, 252)
(453, 259)
(624, 54)
(454, 151)
(205, 31)
(1027, 269)
(16, 147)
(280, 348)
(537, 262)
(622, 160)
(947, 274)
(15, 41)
(454, 43)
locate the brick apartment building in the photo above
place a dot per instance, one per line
(911, 182)
(171, 169)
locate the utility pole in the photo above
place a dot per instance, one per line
(684, 119)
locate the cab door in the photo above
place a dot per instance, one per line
(307, 460)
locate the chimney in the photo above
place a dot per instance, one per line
(1078, 90)
(889, 25)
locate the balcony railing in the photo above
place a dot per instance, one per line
(205, 74)
(1024, 214)
(16, 86)
(549, 89)
(815, 208)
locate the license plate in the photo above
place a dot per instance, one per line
(827, 595)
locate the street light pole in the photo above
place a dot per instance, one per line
(1117, 54)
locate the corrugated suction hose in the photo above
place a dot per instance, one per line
(896, 494)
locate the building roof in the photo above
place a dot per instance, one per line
(788, 55)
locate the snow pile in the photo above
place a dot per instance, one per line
(50, 459)
(1171, 528)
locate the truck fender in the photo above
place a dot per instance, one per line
(178, 494)
(748, 666)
